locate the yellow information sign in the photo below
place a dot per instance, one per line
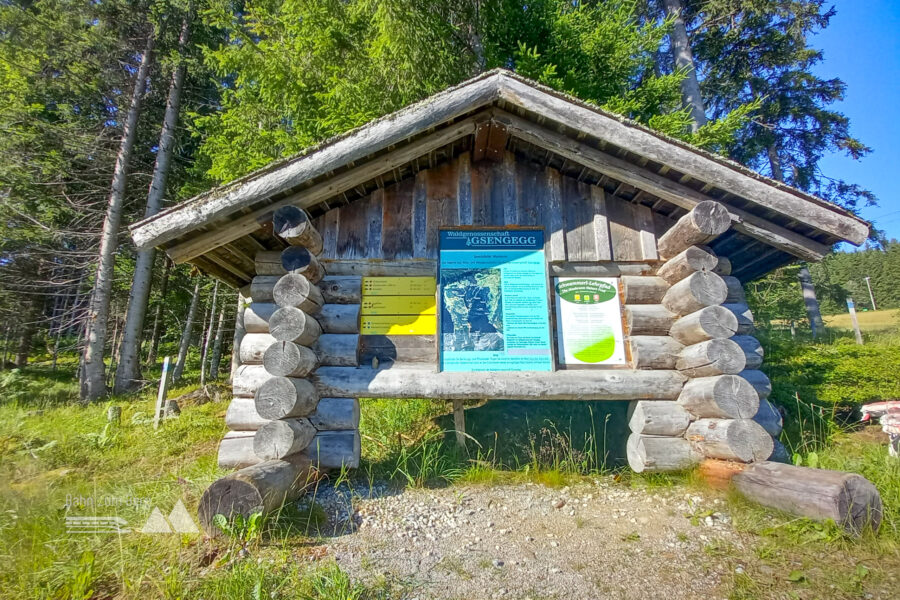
(398, 286)
(398, 324)
(398, 305)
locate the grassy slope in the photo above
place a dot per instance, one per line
(869, 321)
(51, 449)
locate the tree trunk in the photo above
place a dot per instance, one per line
(811, 302)
(186, 335)
(93, 383)
(775, 163)
(209, 334)
(217, 348)
(26, 332)
(128, 371)
(684, 59)
(6, 331)
(157, 318)
(239, 331)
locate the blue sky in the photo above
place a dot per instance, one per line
(862, 47)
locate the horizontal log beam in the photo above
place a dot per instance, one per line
(292, 224)
(404, 267)
(413, 382)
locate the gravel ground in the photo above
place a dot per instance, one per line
(592, 540)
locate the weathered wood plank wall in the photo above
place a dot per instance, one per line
(582, 222)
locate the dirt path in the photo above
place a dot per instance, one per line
(597, 540)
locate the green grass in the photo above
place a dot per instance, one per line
(872, 321)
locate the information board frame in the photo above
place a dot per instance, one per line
(558, 325)
(547, 352)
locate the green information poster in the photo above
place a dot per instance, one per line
(589, 321)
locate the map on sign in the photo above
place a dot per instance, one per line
(473, 318)
(493, 300)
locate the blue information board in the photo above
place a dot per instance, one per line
(493, 301)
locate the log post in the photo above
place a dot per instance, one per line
(696, 291)
(296, 291)
(292, 224)
(287, 359)
(280, 439)
(736, 293)
(262, 288)
(285, 397)
(289, 324)
(743, 440)
(334, 414)
(723, 397)
(657, 417)
(301, 261)
(689, 260)
(654, 351)
(653, 454)
(339, 318)
(713, 357)
(648, 319)
(643, 289)
(236, 450)
(708, 323)
(705, 222)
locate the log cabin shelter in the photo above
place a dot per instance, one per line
(409, 210)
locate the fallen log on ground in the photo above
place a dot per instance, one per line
(260, 488)
(849, 499)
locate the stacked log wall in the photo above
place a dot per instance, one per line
(297, 320)
(721, 412)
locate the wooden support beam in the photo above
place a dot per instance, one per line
(648, 319)
(721, 397)
(708, 323)
(657, 417)
(743, 440)
(657, 454)
(696, 291)
(459, 423)
(689, 260)
(423, 382)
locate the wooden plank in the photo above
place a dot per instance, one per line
(353, 231)
(643, 221)
(398, 305)
(396, 236)
(420, 215)
(375, 217)
(396, 349)
(530, 187)
(407, 267)
(507, 187)
(398, 286)
(398, 324)
(464, 189)
(481, 175)
(624, 237)
(555, 240)
(442, 204)
(329, 230)
(602, 243)
(578, 211)
(497, 195)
